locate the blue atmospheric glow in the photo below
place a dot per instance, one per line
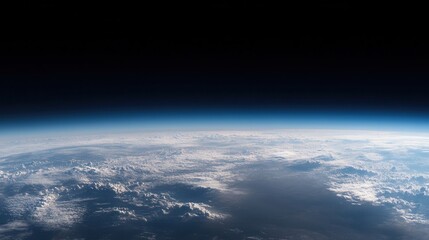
(216, 120)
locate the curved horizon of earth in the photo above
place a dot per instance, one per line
(255, 184)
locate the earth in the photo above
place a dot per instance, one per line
(256, 184)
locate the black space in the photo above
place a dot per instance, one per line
(72, 56)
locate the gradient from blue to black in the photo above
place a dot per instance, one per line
(109, 57)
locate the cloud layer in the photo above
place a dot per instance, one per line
(57, 184)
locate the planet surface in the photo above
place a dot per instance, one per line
(216, 184)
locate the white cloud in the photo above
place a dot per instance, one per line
(55, 214)
(135, 163)
(14, 230)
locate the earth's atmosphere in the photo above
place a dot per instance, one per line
(273, 184)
